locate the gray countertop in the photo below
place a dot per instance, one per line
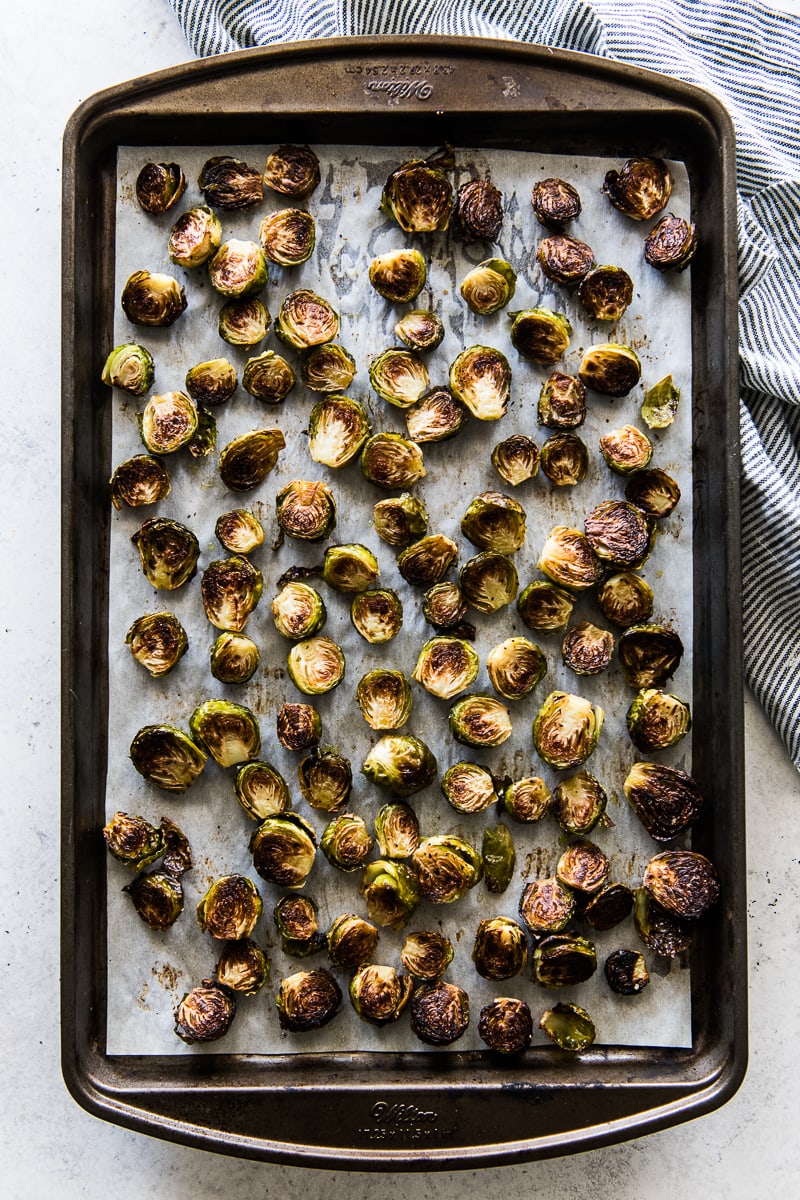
(55, 56)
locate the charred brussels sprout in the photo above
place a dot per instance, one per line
(610, 368)
(391, 461)
(159, 186)
(129, 367)
(564, 259)
(565, 459)
(167, 422)
(167, 757)
(654, 492)
(626, 972)
(400, 764)
(350, 567)
(579, 803)
(446, 666)
(326, 780)
(427, 560)
(480, 377)
(230, 589)
(308, 1000)
(436, 417)
(284, 847)
(398, 275)
(540, 335)
(168, 552)
(516, 459)
(660, 404)
(469, 787)
(500, 950)
(606, 292)
(157, 641)
(238, 269)
(489, 581)
(660, 931)
(683, 882)
(298, 726)
(384, 698)
(546, 906)
(527, 799)
(515, 666)
(567, 558)
(228, 731)
(239, 531)
(479, 210)
(396, 830)
(583, 867)
(400, 377)
(292, 170)
(378, 994)
(569, 1027)
(671, 244)
(268, 377)
(587, 649)
(205, 1013)
(544, 607)
(555, 202)
(211, 383)
(351, 941)
(316, 665)
(306, 510)
(298, 610)
(247, 460)
(443, 605)
(649, 655)
(390, 893)
(337, 429)
(626, 450)
(377, 615)
(327, 368)
(195, 236)
(494, 522)
(426, 954)
(446, 868)
(625, 598)
(400, 520)
(346, 842)
(606, 908)
(566, 730)
(657, 720)
(204, 440)
(306, 319)
(230, 907)
(150, 298)
(158, 899)
(419, 196)
(480, 720)
(420, 329)
(178, 853)
(261, 790)
(564, 960)
(667, 801)
(499, 858)
(439, 1013)
(641, 189)
(133, 841)
(489, 287)
(505, 1025)
(619, 533)
(243, 322)
(562, 402)
(228, 183)
(287, 237)
(242, 967)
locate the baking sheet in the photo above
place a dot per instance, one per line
(149, 972)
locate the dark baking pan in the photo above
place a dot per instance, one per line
(401, 1111)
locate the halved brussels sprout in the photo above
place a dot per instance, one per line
(158, 899)
(268, 377)
(606, 292)
(567, 558)
(564, 259)
(555, 202)
(378, 994)
(228, 183)
(158, 641)
(480, 720)
(660, 404)
(167, 422)
(168, 552)
(654, 492)
(426, 954)
(239, 531)
(480, 377)
(261, 790)
(243, 322)
(398, 275)
(205, 1013)
(401, 764)
(247, 460)
(436, 417)
(298, 610)
(419, 196)
(657, 720)
(489, 286)
(516, 459)
(469, 787)
(544, 607)
(230, 908)
(195, 236)
(493, 521)
(479, 210)
(346, 842)
(626, 450)
(400, 520)
(625, 598)
(151, 298)
(660, 930)
(337, 429)
(527, 799)
(133, 841)
(426, 561)
(316, 665)
(306, 510)
(499, 858)
(292, 170)
(564, 960)
(327, 368)
(546, 906)
(569, 1026)
(446, 665)
(649, 655)
(130, 367)
(579, 803)
(683, 882)
(420, 329)
(540, 335)
(350, 567)
(298, 726)
(242, 967)
(377, 614)
(666, 800)
(619, 533)
(446, 868)
(500, 950)
(626, 972)
(444, 606)
(391, 461)
(228, 731)
(231, 589)
(351, 941)
(204, 440)
(396, 830)
(641, 189)
(178, 853)
(583, 867)
(167, 757)
(506, 1025)
(284, 847)
(238, 268)
(562, 402)
(586, 649)
(287, 237)
(515, 667)
(159, 186)
(565, 459)
(307, 1000)
(390, 892)
(384, 698)
(326, 780)
(671, 244)
(439, 1013)
(610, 368)
(211, 383)
(489, 581)
(606, 908)
(306, 319)
(399, 376)
(566, 730)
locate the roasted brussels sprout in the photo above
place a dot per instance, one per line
(327, 368)
(230, 589)
(384, 698)
(515, 666)
(436, 417)
(625, 598)
(426, 954)
(626, 450)
(446, 666)
(167, 757)
(516, 459)
(337, 429)
(377, 614)
(654, 492)
(239, 531)
(391, 461)
(606, 908)
(230, 907)
(479, 210)
(306, 319)
(242, 967)
(446, 868)
(158, 641)
(399, 376)
(527, 799)
(546, 906)
(567, 558)
(619, 533)
(544, 607)
(129, 367)
(506, 1025)
(480, 720)
(660, 931)
(427, 560)
(284, 847)
(326, 780)
(261, 790)
(683, 882)
(555, 202)
(308, 1000)
(238, 268)
(499, 858)
(606, 292)
(316, 665)
(159, 186)
(401, 764)
(346, 842)
(287, 237)
(400, 520)
(641, 189)
(488, 581)
(583, 867)
(268, 377)
(150, 298)
(168, 552)
(579, 803)
(610, 368)
(398, 275)
(396, 830)
(562, 402)
(563, 960)
(500, 950)
(158, 899)
(195, 236)
(350, 567)
(351, 941)
(178, 853)
(306, 510)
(228, 183)
(167, 422)
(586, 649)
(565, 459)
(419, 196)
(204, 440)
(378, 994)
(626, 972)
(205, 1013)
(390, 892)
(564, 259)
(247, 460)
(666, 800)
(243, 322)
(439, 1013)
(469, 787)
(649, 655)
(211, 383)
(298, 610)
(569, 1027)
(566, 730)
(480, 377)
(133, 841)
(420, 329)
(444, 606)
(298, 726)
(489, 286)
(228, 731)
(493, 521)
(660, 404)
(657, 719)
(292, 170)
(671, 244)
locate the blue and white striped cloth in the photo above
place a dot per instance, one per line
(748, 55)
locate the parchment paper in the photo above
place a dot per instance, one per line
(148, 972)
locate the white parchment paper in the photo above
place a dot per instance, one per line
(148, 972)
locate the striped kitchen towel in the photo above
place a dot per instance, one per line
(748, 55)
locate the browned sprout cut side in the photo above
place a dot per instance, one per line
(238, 269)
(298, 610)
(396, 830)
(287, 237)
(489, 581)
(292, 171)
(178, 853)
(398, 275)
(326, 780)
(420, 329)
(515, 667)
(392, 461)
(399, 376)
(211, 383)
(350, 567)
(133, 841)
(337, 429)
(436, 417)
(564, 960)
(242, 967)
(565, 459)
(268, 377)
(544, 607)
(157, 897)
(231, 589)
(619, 533)
(444, 606)
(566, 730)
(579, 803)
(499, 858)
(469, 787)
(493, 521)
(390, 893)
(439, 1013)
(167, 757)
(308, 1000)
(666, 800)
(586, 649)
(479, 210)
(247, 460)
(626, 450)
(426, 954)
(583, 867)
(562, 402)
(239, 531)
(157, 641)
(683, 882)
(555, 202)
(480, 720)
(640, 189)
(427, 560)
(377, 614)
(261, 790)
(505, 1025)
(151, 298)
(516, 459)
(625, 599)
(316, 665)
(500, 950)
(567, 558)
(654, 492)
(205, 1013)
(298, 726)
(671, 244)
(527, 799)
(540, 335)
(129, 367)
(606, 292)
(195, 236)
(649, 655)
(610, 368)
(626, 972)
(378, 994)
(328, 368)
(305, 509)
(346, 842)
(400, 520)
(284, 847)
(230, 907)
(489, 286)
(400, 763)
(446, 868)
(660, 930)
(446, 665)
(384, 697)
(306, 319)
(606, 908)
(168, 552)
(569, 1027)
(243, 322)
(480, 377)
(351, 942)
(546, 906)
(419, 196)
(228, 183)
(657, 720)
(159, 186)
(167, 422)
(229, 732)
(564, 259)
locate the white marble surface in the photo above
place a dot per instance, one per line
(54, 56)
